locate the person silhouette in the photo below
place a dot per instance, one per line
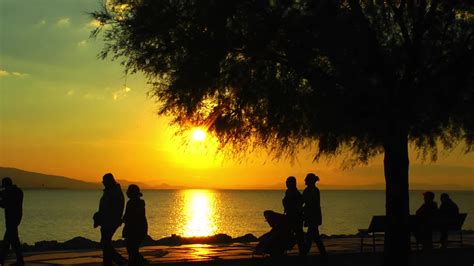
(312, 214)
(109, 218)
(293, 209)
(136, 226)
(11, 199)
(447, 211)
(425, 215)
(278, 240)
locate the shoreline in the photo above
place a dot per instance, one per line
(82, 243)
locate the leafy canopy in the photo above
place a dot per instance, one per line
(281, 73)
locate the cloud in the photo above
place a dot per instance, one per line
(82, 43)
(120, 94)
(93, 96)
(63, 22)
(40, 23)
(5, 73)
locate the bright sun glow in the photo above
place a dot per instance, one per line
(199, 134)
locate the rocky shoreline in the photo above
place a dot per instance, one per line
(82, 243)
(79, 242)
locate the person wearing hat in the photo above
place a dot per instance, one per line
(425, 215)
(109, 218)
(136, 226)
(11, 199)
(312, 214)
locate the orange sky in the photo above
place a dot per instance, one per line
(64, 112)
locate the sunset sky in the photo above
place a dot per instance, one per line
(65, 112)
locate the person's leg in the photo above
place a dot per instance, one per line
(429, 237)
(309, 239)
(16, 245)
(300, 239)
(426, 237)
(134, 257)
(319, 242)
(115, 256)
(5, 247)
(106, 245)
(130, 251)
(140, 256)
(443, 235)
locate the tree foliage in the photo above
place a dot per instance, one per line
(281, 73)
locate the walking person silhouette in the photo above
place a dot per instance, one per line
(109, 218)
(11, 199)
(293, 208)
(136, 226)
(312, 214)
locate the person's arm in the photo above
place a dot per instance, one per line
(2, 199)
(121, 202)
(284, 202)
(126, 215)
(317, 198)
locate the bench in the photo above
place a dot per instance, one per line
(376, 229)
(451, 225)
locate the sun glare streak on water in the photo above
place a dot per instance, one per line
(200, 213)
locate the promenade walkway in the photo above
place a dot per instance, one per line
(338, 249)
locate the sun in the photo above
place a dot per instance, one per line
(199, 134)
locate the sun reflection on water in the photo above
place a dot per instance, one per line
(200, 213)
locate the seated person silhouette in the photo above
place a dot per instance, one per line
(448, 210)
(425, 215)
(279, 239)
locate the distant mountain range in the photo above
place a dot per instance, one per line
(25, 179)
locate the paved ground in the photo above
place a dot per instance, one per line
(342, 249)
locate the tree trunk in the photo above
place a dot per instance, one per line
(396, 164)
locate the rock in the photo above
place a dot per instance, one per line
(467, 231)
(46, 245)
(80, 243)
(148, 241)
(219, 239)
(173, 240)
(118, 243)
(215, 239)
(245, 239)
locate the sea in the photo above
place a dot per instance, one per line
(64, 214)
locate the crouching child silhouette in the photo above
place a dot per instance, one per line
(136, 226)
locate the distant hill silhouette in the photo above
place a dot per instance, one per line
(25, 179)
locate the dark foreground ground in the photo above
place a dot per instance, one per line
(343, 251)
(452, 257)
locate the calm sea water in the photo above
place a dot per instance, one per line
(64, 214)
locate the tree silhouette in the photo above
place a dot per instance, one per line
(361, 75)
